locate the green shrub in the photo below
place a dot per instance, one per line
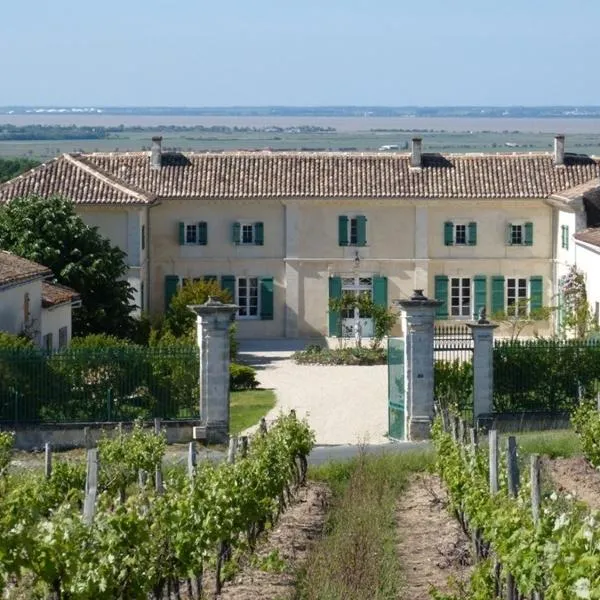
(315, 355)
(242, 377)
(453, 384)
(586, 422)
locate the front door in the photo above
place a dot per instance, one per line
(357, 285)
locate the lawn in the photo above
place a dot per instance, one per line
(248, 407)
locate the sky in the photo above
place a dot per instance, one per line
(299, 53)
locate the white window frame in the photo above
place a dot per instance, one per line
(461, 289)
(521, 226)
(245, 303)
(252, 229)
(191, 227)
(518, 296)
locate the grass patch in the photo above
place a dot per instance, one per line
(356, 559)
(248, 407)
(560, 443)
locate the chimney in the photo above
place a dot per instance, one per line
(416, 152)
(156, 152)
(559, 150)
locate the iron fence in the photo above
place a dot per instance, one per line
(106, 384)
(452, 342)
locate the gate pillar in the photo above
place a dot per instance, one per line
(483, 366)
(213, 321)
(418, 316)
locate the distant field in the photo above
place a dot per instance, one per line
(369, 134)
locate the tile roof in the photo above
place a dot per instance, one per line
(14, 269)
(589, 187)
(54, 294)
(65, 176)
(127, 177)
(589, 236)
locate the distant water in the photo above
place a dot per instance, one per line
(450, 124)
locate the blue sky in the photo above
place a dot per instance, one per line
(309, 52)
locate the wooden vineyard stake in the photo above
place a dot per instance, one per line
(47, 460)
(513, 489)
(91, 486)
(191, 459)
(233, 442)
(244, 446)
(536, 500)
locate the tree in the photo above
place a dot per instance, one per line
(11, 167)
(47, 231)
(180, 320)
(518, 317)
(577, 317)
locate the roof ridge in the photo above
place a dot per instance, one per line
(108, 179)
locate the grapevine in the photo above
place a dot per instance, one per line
(144, 543)
(558, 555)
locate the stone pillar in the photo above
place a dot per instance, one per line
(483, 366)
(213, 321)
(418, 315)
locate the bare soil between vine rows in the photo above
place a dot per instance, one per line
(577, 477)
(292, 538)
(431, 546)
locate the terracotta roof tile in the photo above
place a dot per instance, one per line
(54, 294)
(127, 177)
(589, 236)
(589, 187)
(63, 176)
(14, 269)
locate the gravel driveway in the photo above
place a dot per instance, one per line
(344, 405)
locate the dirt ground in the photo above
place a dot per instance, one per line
(575, 476)
(431, 546)
(299, 527)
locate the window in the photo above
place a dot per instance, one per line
(352, 231)
(26, 308)
(460, 296)
(519, 234)
(516, 297)
(63, 334)
(193, 234)
(247, 297)
(460, 234)
(248, 234)
(48, 342)
(564, 231)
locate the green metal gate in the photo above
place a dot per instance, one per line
(396, 388)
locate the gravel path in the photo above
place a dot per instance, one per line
(344, 405)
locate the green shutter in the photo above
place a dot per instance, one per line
(343, 230)
(228, 285)
(529, 234)
(509, 234)
(448, 233)
(181, 233)
(208, 278)
(497, 294)
(266, 298)
(335, 292)
(202, 233)
(361, 227)
(441, 294)
(171, 285)
(565, 236)
(472, 233)
(536, 292)
(380, 292)
(480, 293)
(259, 233)
(236, 233)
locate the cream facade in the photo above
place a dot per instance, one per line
(286, 232)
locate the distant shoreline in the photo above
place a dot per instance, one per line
(547, 125)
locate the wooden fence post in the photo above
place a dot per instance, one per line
(513, 489)
(47, 460)
(91, 486)
(233, 442)
(244, 447)
(262, 428)
(536, 501)
(493, 469)
(191, 459)
(157, 424)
